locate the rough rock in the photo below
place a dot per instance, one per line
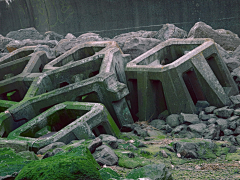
(136, 46)
(153, 171)
(212, 121)
(237, 131)
(203, 116)
(122, 38)
(189, 118)
(203, 149)
(173, 120)
(238, 139)
(70, 36)
(157, 123)
(237, 112)
(28, 33)
(94, 144)
(170, 31)
(178, 129)
(127, 128)
(236, 101)
(140, 132)
(49, 52)
(3, 42)
(75, 164)
(201, 105)
(227, 41)
(51, 146)
(197, 128)
(16, 44)
(223, 112)
(109, 140)
(227, 132)
(212, 132)
(51, 35)
(223, 123)
(105, 155)
(210, 109)
(67, 44)
(108, 173)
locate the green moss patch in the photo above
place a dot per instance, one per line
(11, 162)
(76, 164)
(107, 173)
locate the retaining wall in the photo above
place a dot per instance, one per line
(113, 17)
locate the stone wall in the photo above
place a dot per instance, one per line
(113, 17)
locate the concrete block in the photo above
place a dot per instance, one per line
(176, 74)
(66, 122)
(18, 70)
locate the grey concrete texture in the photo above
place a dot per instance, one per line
(66, 122)
(18, 70)
(113, 17)
(94, 77)
(176, 74)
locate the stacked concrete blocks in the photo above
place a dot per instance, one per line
(93, 71)
(18, 70)
(66, 122)
(176, 74)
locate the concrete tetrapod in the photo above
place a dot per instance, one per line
(18, 71)
(176, 74)
(65, 122)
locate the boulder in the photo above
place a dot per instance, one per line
(105, 155)
(222, 123)
(28, 33)
(189, 118)
(109, 140)
(235, 100)
(67, 44)
(227, 132)
(170, 31)
(212, 132)
(152, 171)
(75, 164)
(16, 44)
(50, 146)
(178, 129)
(49, 52)
(223, 112)
(122, 38)
(94, 144)
(173, 120)
(135, 46)
(202, 149)
(69, 36)
(197, 128)
(157, 123)
(51, 35)
(227, 41)
(3, 42)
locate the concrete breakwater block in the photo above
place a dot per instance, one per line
(18, 70)
(91, 77)
(174, 75)
(65, 122)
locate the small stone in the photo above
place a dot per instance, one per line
(212, 121)
(178, 155)
(203, 116)
(227, 132)
(237, 131)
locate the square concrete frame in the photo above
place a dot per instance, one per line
(17, 74)
(176, 74)
(68, 121)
